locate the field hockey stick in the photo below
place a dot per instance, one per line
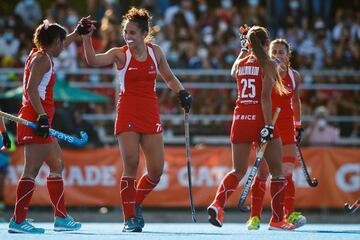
(52, 132)
(188, 158)
(254, 169)
(312, 182)
(351, 209)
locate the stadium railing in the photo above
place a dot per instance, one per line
(309, 84)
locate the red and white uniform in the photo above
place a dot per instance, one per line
(26, 134)
(137, 108)
(285, 121)
(248, 118)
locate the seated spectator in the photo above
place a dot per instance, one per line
(320, 132)
(29, 11)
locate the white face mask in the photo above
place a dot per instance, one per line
(203, 53)
(202, 7)
(208, 39)
(322, 122)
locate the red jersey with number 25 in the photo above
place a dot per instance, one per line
(137, 108)
(248, 118)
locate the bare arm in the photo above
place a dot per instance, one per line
(102, 59)
(164, 69)
(267, 85)
(296, 97)
(40, 66)
(2, 125)
(241, 55)
(70, 38)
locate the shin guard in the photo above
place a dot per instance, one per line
(144, 187)
(127, 193)
(227, 186)
(24, 192)
(257, 192)
(55, 187)
(277, 190)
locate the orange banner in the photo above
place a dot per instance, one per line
(92, 178)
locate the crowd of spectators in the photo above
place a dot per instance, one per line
(203, 34)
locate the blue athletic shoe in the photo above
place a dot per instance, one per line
(24, 227)
(140, 218)
(66, 224)
(132, 225)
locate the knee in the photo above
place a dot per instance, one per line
(31, 172)
(262, 174)
(155, 174)
(131, 164)
(288, 165)
(57, 166)
(239, 172)
(287, 171)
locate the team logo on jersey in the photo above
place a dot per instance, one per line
(132, 68)
(289, 87)
(250, 60)
(129, 125)
(249, 117)
(27, 138)
(158, 127)
(152, 69)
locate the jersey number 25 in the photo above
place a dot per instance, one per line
(248, 89)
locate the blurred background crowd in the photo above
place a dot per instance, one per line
(197, 36)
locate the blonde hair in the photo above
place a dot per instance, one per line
(142, 18)
(258, 38)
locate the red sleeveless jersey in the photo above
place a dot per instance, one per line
(26, 134)
(285, 102)
(46, 85)
(137, 108)
(248, 118)
(249, 82)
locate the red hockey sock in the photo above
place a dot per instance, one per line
(227, 186)
(277, 190)
(127, 193)
(55, 187)
(289, 198)
(257, 196)
(144, 187)
(24, 192)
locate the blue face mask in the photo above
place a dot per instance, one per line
(253, 3)
(229, 58)
(202, 7)
(29, 4)
(8, 36)
(294, 5)
(72, 20)
(226, 4)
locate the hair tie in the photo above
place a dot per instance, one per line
(46, 24)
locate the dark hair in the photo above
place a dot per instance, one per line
(258, 38)
(141, 17)
(285, 43)
(45, 34)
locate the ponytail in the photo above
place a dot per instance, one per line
(258, 38)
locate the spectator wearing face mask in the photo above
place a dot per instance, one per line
(320, 132)
(9, 44)
(29, 11)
